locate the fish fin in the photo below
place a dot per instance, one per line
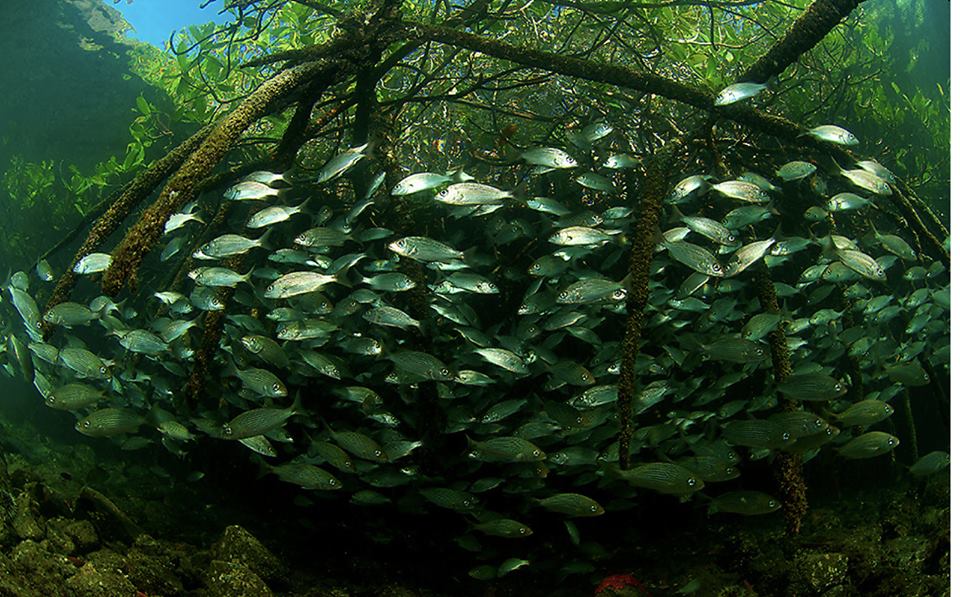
(675, 214)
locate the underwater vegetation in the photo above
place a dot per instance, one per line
(571, 318)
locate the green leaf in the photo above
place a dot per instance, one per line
(143, 105)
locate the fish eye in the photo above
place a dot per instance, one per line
(890, 442)
(537, 453)
(838, 387)
(692, 482)
(563, 294)
(535, 267)
(86, 424)
(619, 293)
(378, 453)
(332, 481)
(103, 370)
(786, 436)
(445, 372)
(227, 430)
(276, 387)
(731, 238)
(771, 504)
(716, 267)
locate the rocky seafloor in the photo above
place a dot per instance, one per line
(89, 520)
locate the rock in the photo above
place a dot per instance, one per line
(25, 522)
(821, 571)
(57, 540)
(83, 535)
(239, 546)
(36, 571)
(152, 569)
(93, 581)
(231, 579)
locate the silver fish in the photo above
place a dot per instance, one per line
(423, 181)
(472, 193)
(250, 190)
(548, 157)
(832, 134)
(421, 248)
(742, 190)
(732, 94)
(92, 263)
(341, 163)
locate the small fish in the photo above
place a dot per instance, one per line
(868, 445)
(504, 527)
(390, 316)
(505, 449)
(451, 499)
(274, 214)
(747, 256)
(710, 229)
(261, 382)
(848, 202)
(297, 283)
(742, 190)
(421, 248)
(258, 421)
(218, 277)
(69, 314)
(863, 264)
(579, 236)
(796, 170)
(621, 161)
(695, 257)
(92, 263)
(868, 181)
(503, 358)
(472, 193)
(832, 134)
(687, 187)
(760, 181)
(548, 157)
(737, 92)
(44, 271)
(910, 374)
(228, 245)
(864, 413)
(811, 387)
(109, 422)
(930, 464)
(875, 168)
(746, 503)
(264, 177)
(179, 220)
(340, 163)
(84, 363)
(597, 182)
(746, 215)
(250, 191)
(591, 290)
(758, 433)
(815, 214)
(760, 325)
(73, 396)
(307, 476)
(423, 181)
(663, 477)
(573, 505)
